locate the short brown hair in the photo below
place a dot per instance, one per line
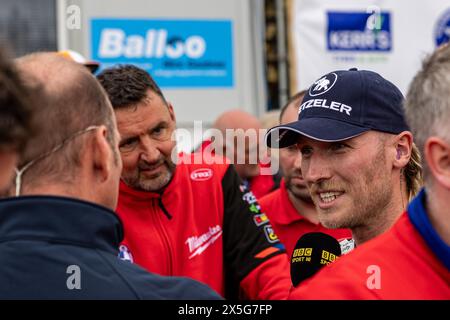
(413, 173)
(127, 85)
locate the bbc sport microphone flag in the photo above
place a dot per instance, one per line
(390, 37)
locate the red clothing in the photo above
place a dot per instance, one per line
(410, 263)
(289, 224)
(203, 226)
(260, 185)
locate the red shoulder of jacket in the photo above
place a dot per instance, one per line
(395, 265)
(271, 202)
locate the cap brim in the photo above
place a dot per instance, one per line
(321, 129)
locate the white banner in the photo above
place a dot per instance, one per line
(389, 37)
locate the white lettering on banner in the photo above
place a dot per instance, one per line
(360, 40)
(115, 43)
(322, 103)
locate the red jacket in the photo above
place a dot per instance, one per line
(290, 225)
(409, 261)
(204, 226)
(261, 184)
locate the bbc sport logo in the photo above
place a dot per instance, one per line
(359, 31)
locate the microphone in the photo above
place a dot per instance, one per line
(312, 251)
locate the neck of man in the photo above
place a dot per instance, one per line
(438, 212)
(49, 190)
(383, 219)
(304, 208)
(76, 190)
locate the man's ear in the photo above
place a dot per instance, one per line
(437, 156)
(171, 112)
(402, 149)
(102, 154)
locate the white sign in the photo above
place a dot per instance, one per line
(389, 37)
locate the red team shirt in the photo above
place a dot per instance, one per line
(206, 226)
(288, 224)
(410, 261)
(260, 185)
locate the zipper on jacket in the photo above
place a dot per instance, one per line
(164, 235)
(163, 208)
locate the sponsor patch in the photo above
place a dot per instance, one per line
(125, 254)
(323, 84)
(270, 234)
(198, 244)
(260, 219)
(347, 245)
(202, 174)
(249, 197)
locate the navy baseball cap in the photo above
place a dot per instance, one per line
(341, 105)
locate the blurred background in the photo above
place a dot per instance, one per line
(210, 56)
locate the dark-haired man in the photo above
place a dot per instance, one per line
(190, 219)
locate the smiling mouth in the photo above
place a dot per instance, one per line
(329, 196)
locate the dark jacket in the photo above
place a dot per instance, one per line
(61, 248)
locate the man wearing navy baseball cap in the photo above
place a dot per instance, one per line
(358, 156)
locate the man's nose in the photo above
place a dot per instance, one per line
(149, 150)
(297, 160)
(316, 168)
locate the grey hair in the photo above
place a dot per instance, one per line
(427, 105)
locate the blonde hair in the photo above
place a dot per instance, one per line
(413, 173)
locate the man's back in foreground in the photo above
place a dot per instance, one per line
(61, 248)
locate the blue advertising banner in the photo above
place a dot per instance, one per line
(359, 31)
(177, 53)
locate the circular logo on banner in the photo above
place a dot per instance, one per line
(442, 29)
(323, 84)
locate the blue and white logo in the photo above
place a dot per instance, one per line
(323, 84)
(442, 29)
(177, 53)
(359, 31)
(125, 254)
